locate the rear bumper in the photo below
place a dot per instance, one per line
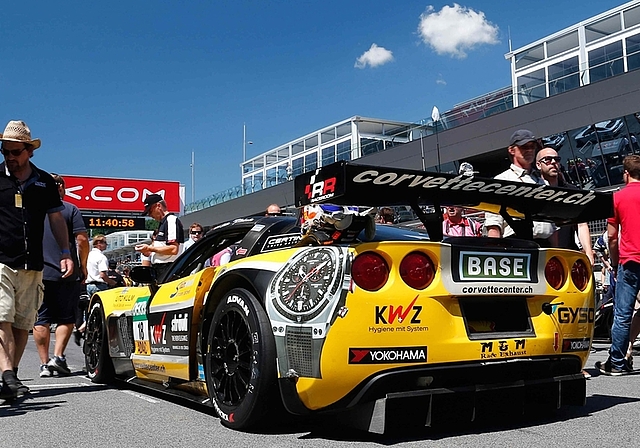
(428, 407)
(423, 395)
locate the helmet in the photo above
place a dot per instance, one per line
(327, 216)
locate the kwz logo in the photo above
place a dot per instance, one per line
(322, 189)
(387, 315)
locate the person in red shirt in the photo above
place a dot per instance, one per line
(624, 251)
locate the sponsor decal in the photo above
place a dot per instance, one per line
(241, 251)
(465, 183)
(320, 190)
(280, 241)
(389, 314)
(170, 332)
(95, 193)
(494, 266)
(257, 228)
(223, 415)
(240, 301)
(502, 349)
(387, 355)
(567, 315)
(576, 345)
(181, 289)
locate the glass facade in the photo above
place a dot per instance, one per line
(604, 46)
(346, 140)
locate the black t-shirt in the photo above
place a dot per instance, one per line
(22, 211)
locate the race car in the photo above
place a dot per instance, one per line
(382, 325)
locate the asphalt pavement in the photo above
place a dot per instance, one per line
(73, 412)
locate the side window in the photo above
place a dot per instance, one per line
(195, 260)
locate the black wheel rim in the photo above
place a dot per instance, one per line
(231, 358)
(93, 340)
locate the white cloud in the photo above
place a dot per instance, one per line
(440, 80)
(374, 57)
(456, 29)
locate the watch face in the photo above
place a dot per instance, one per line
(302, 287)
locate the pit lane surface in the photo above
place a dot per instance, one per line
(73, 412)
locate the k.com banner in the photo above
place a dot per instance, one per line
(121, 195)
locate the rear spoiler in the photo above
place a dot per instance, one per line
(345, 183)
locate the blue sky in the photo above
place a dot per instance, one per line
(130, 89)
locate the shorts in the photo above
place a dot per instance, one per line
(21, 294)
(59, 304)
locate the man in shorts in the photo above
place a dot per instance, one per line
(27, 195)
(60, 295)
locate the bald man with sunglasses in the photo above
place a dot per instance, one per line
(548, 164)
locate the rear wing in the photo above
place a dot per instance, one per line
(345, 183)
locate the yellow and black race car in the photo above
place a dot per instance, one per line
(384, 325)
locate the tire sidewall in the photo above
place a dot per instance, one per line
(99, 373)
(262, 377)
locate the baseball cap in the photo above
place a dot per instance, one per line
(521, 137)
(112, 264)
(149, 201)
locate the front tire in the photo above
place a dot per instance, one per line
(96, 347)
(240, 360)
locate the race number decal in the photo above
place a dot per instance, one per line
(141, 327)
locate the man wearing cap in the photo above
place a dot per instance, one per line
(27, 195)
(169, 241)
(61, 296)
(522, 151)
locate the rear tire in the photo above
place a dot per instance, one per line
(96, 347)
(240, 360)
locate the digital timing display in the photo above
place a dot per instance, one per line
(104, 222)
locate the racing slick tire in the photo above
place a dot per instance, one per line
(96, 347)
(240, 361)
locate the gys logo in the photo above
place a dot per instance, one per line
(567, 315)
(390, 314)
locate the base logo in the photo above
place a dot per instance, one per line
(387, 355)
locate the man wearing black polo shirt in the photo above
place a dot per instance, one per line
(27, 194)
(169, 241)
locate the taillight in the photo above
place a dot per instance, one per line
(554, 273)
(417, 270)
(369, 271)
(580, 274)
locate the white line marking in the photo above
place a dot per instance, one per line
(137, 395)
(59, 386)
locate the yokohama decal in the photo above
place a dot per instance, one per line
(388, 355)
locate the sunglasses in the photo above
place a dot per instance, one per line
(274, 214)
(196, 232)
(548, 160)
(101, 241)
(13, 152)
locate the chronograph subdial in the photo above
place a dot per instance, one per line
(303, 285)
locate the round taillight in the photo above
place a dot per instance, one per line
(369, 271)
(554, 273)
(580, 274)
(417, 270)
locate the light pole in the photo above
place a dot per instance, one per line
(193, 177)
(244, 142)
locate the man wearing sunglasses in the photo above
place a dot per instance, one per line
(548, 164)
(195, 234)
(27, 195)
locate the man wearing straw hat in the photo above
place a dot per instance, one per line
(27, 194)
